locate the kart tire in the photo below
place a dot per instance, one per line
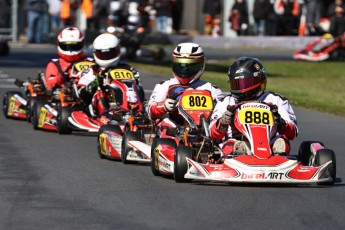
(29, 106)
(62, 123)
(102, 129)
(35, 113)
(128, 136)
(6, 101)
(154, 159)
(304, 152)
(180, 163)
(323, 156)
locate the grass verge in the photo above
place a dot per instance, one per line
(313, 85)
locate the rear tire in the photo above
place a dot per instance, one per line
(62, 123)
(35, 113)
(104, 128)
(323, 156)
(304, 152)
(154, 156)
(6, 101)
(180, 163)
(128, 136)
(29, 107)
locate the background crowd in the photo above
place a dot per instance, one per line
(41, 19)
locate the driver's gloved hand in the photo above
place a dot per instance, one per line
(227, 118)
(278, 119)
(170, 105)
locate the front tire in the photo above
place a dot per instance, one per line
(35, 113)
(101, 140)
(62, 123)
(180, 163)
(155, 153)
(305, 155)
(6, 101)
(128, 136)
(323, 156)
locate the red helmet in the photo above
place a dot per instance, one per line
(188, 62)
(70, 44)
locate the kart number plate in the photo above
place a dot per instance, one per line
(43, 114)
(121, 74)
(83, 65)
(256, 116)
(197, 102)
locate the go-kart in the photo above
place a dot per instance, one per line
(18, 106)
(324, 48)
(52, 114)
(313, 164)
(189, 136)
(129, 126)
(120, 92)
(128, 139)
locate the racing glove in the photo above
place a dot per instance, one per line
(278, 119)
(226, 120)
(170, 105)
(91, 88)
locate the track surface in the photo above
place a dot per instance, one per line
(49, 181)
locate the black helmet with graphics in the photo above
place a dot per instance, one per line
(247, 78)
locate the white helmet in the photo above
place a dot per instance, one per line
(70, 44)
(188, 62)
(106, 50)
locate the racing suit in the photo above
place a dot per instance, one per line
(288, 132)
(91, 87)
(166, 89)
(55, 71)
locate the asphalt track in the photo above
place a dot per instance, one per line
(51, 181)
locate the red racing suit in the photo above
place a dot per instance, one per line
(289, 132)
(55, 70)
(164, 89)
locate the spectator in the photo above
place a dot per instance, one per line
(176, 13)
(97, 20)
(5, 11)
(336, 13)
(288, 16)
(313, 17)
(271, 21)
(54, 7)
(35, 9)
(239, 18)
(162, 8)
(260, 12)
(212, 10)
(68, 12)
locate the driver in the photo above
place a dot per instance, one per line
(107, 54)
(70, 43)
(188, 64)
(247, 78)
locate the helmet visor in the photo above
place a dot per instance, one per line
(71, 46)
(107, 54)
(185, 68)
(244, 84)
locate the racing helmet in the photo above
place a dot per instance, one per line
(106, 50)
(188, 62)
(247, 78)
(70, 44)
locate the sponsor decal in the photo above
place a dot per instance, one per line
(270, 176)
